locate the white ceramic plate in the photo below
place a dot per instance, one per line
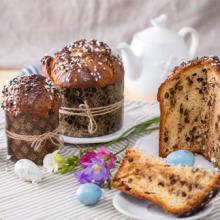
(134, 113)
(149, 145)
(142, 209)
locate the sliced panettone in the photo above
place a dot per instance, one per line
(182, 191)
(190, 109)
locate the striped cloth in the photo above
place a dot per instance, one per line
(55, 197)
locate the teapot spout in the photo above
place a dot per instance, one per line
(130, 61)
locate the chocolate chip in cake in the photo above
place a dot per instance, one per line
(194, 129)
(127, 188)
(175, 146)
(166, 139)
(130, 159)
(190, 187)
(166, 95)
(186, 120)
(161, 184)
(130, 180)
(181, 108)
(180, 88)
(200, 79)
(149, 193)
(189, 80)
(172, 91)
(183, 194)
(186, 112)
(187, 138)
(204, 70)
(183, 182)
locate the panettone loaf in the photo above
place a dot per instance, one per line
(190, 109)
(31, 105)
(179, 190)
(87, 71)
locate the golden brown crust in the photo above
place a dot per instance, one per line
(191, 208)
(31, 95)
(84, 64)
(213, 62)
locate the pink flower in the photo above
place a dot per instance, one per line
(86, 159)
(107, 157)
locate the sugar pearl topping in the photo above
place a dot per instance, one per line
(84, 59)
(22, 88)
(213, 60)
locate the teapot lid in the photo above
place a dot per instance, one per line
(158, 32)
(160, 21)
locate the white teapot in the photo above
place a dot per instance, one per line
(152, 55)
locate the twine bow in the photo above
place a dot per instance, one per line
(37, 141)
(85, 111)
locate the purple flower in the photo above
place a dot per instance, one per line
(94, 172)
(107, 157)
(87, 158)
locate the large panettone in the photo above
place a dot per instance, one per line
(190, 109)
(89, 75)
(31, 105)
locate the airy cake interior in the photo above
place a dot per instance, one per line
(177, 189)
(189, 113)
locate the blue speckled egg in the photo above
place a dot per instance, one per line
(30, 70)
(89, 194)
(181, 157)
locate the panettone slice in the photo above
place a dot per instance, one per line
(190, 109)
(182, 191)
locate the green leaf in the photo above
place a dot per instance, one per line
(63, 169)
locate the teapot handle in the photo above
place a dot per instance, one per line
(194, 39)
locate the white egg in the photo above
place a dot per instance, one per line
(27, 170)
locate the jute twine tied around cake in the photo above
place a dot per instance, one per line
(37, 141)
(85, 111)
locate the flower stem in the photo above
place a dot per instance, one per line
(137, 129)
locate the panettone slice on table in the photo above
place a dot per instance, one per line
(179, 190)
(190, 109)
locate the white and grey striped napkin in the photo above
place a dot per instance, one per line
(55, 197)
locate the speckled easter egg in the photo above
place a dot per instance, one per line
(89, 194)
(181, 157)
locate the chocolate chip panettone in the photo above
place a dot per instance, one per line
(31, 105)
(190, 109)
(92, 82)
(180, 190)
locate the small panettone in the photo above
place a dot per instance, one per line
(180, 190)
(92, 82)
(31, 105)
(190, 109)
